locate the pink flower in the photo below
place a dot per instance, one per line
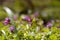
(27, 18)
(15, 17)
(49, 24)
(12, 28)
(7, 21)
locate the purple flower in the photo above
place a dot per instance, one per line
(15, 17)
(49, 24)
(27, 18)
(5, 22)
(12, 28)
(7, 19)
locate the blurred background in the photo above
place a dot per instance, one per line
(47, 8)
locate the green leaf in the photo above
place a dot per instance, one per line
(53, 37)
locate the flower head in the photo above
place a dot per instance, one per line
(12, 28)
(5, 22)
(7, 19)
(15, 17)
(49, 24)
(27, 18)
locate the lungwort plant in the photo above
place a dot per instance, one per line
(28, 27)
